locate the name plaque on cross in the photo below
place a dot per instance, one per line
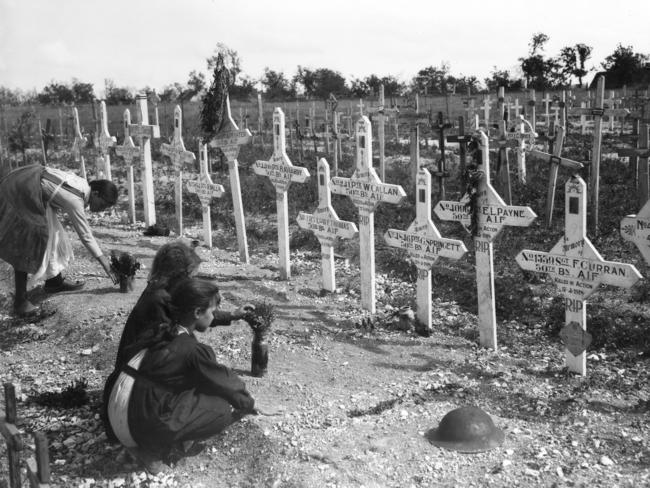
(577, 268)
(636, 229)
(366, 191)
(229, 141)
(490, 215)
(281, 173)
(326, 225)
(424, 245)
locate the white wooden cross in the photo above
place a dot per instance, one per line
(104, 142)
(555, 160)
(382, 115)
(636, 229)
(179, 156)
(517, 108)
(206, 191)
(486, 111)
(144, 133)
(578, 269)
(327, 226)
(229, 141)
(521, 135)
(366, 191)
(281, 173)
(490, 214)
(640, 155)
(598, 110)
(424, 244)
(129, 152)
(79, 143)
(547, 101)
(532, 109)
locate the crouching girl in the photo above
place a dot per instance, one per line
(174, 391)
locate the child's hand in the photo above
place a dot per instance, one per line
(243, 311)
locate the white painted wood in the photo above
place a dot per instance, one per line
(424, 245)
(229, 141)
(327, 226)
(636, 229)
(382, 116)
(366, 191)
(144, 133)
(179, 157)
(78, 144)
(282, 173)
(104, 142)
(130, 153)
(486, 111)
(491, 215)
(575, 265)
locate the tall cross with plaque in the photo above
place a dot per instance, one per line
(366, 191)
(281, 173)
(206, 191)
(229, 141)
(424, 244)
(382, 115)
(327, 226)
(636, 229)
(490, 215)
(144, 133)
(577, 269)
(129, 152)
(179, 156)
(104, 142)
(79, 143)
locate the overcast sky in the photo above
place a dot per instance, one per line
(153, 43)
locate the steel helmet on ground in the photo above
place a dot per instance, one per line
(466, 429)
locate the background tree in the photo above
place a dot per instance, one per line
(572, 61)
(56, 93)
(82, 92)
(213, 107)
(625, 67)
(9, 96)
(541, 73)
(276, 85)
(502, 77)
(359, 88)
(116, 95)
(321, 82)
(21, 132)
(431, 80)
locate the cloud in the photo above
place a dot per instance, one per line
(56, 53)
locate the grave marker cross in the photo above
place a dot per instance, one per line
(179, 156)
(281, 173)
(366, 191)
(424, 244)
(382, 115)
(441, 126)
(229, 141)
(327, 226)
(129, 152)
(462, 139)
(104, 142)
(578, 269)
(490, 213)
(79, 143)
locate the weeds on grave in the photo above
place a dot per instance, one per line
(72, 396)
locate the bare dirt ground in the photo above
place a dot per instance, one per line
(359, 402)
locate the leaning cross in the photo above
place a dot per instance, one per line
(104, 142)
(424, 244)
(490, 214)
(144, 133)
(366, 191)
(281, 173)
(129, 152)
(555, 161)
(578, 269)
(206, 191)
(79, 143)
(179, 156)
(327, 226)
(229, 141)
(597, 111)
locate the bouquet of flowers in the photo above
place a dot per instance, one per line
(261, 319)
(124, 263)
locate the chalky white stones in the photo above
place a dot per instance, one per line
(327, 226)
(636, 229)
(104, 142)
(144, 133)
(206, 191)
(490, 215)
(578, 269)
(597, 111)
(366, 191)
(79, 143)
(555, 161)
(179, 156)
(229, 141)
(129, 152)
(424, 244)
(281, 173)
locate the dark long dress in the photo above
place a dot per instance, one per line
(186, 395)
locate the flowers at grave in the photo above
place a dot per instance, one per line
(261, 319)
(124, 264)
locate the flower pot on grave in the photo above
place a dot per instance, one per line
(126, 283)
(259, 355)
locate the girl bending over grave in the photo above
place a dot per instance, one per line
(174, 262)
(32, 239)
(173, 392)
